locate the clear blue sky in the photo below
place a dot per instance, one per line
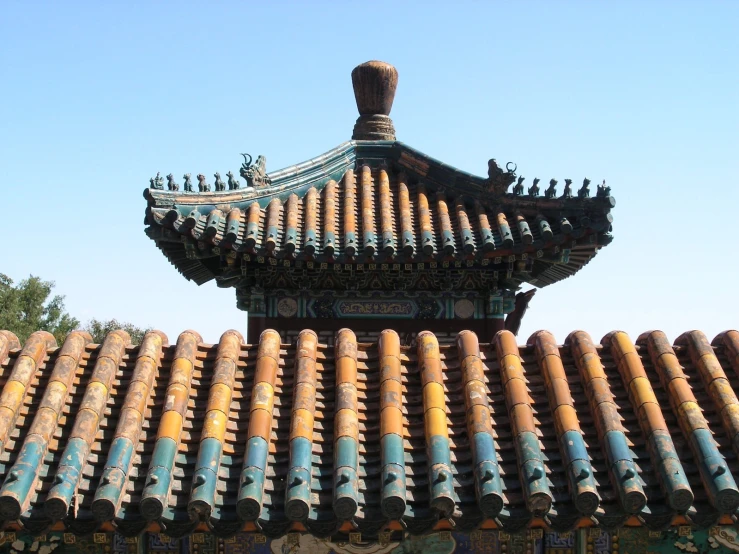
(98, 97)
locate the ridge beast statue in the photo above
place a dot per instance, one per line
(219, 184)
(255, 173)
(568, 189)
(534, 189)
(156, 182)
(518, 189)
(203, 186)
(551, 191)
(603, 191)
(233, 183)
(498, 179)
(584, 191)
(171, 185)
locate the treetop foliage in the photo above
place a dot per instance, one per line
(99, 329)
(29, 306)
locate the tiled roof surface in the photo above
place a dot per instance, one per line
(366, 202)
(292, 436)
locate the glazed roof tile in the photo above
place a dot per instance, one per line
(378, 202)
(375, 199)
(310, 436)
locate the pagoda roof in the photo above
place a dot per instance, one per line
(377, 200)
(326, 437)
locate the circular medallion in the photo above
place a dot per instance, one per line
(287, 307)
(464, 309)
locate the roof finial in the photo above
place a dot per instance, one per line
(374, 89)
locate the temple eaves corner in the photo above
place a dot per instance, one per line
(374, 229)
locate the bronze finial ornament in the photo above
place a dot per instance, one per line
(374, 85)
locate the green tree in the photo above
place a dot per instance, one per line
(99, 329)
(29, 306)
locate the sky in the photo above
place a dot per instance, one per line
(98, 97)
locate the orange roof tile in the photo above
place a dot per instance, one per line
(283, 434)
(376, 214)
